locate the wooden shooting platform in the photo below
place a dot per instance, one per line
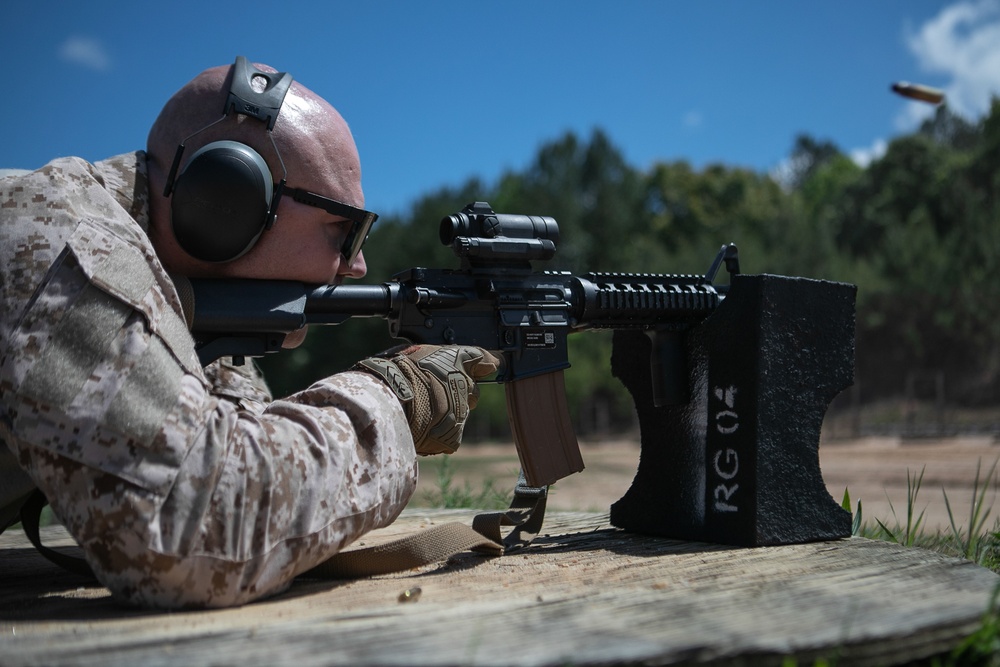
(583, 594)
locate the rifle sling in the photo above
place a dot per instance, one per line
(524, 517)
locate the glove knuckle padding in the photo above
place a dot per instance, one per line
(443, 382)
(449, 397)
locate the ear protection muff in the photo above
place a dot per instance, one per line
(225, 197)
(221, 201)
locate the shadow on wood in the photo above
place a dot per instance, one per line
(584, 594)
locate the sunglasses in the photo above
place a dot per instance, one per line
(361, 220)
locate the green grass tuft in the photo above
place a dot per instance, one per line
(448, 495)
(974, 542)
(906, 534)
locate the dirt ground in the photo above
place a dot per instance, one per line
(875, 471)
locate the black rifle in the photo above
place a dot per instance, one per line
(494, 301)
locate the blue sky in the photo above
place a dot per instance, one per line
(439, 91)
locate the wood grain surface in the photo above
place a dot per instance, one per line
(583, 594)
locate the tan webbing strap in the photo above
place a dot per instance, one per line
(524, 516)
(428, 546)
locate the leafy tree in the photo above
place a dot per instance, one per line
(947, 128)
(919, 230)
(808, 156)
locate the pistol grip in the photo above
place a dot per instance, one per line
(543, 433)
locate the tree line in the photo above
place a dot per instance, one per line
(917, 230)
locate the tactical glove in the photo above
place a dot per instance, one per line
(437, 387)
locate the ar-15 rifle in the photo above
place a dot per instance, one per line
(494, 301)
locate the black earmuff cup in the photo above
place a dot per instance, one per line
(220, 202)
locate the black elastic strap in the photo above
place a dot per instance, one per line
(31, 513)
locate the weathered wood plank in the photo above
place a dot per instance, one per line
(584, 594)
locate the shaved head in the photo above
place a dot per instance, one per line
(316, 151)
(310, 134)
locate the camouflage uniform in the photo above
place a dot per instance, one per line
(184, 486)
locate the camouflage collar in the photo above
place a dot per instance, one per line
(125, 177)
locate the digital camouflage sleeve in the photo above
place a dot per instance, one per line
(184, 486)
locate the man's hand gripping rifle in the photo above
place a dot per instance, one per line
(494, 301)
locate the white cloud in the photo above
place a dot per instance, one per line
(784, 173)
(963, 43)
(693, 119)
(865, 156)
(85, 51)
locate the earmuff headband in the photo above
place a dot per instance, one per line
(244, 100)
(263, 105)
